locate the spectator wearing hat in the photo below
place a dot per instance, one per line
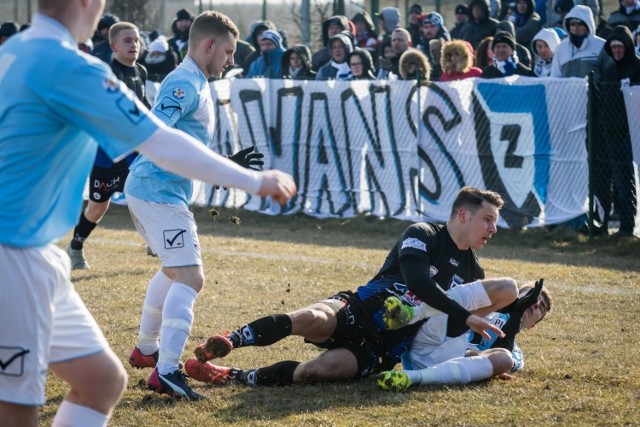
(159, 59)
(505, 59)
(524, 55)
(330, 27)
(296, 63)
(414, 20)
(269, 64)
(577, 54)
(180, 27)
(433, 33)
(561, 8)
(461, 16)
(366, 35)
(544, 44)
(101, 47)
(457, 61)
(255, 31)
(480, 23)
(361, 65)
(7, 29)
(340, 46)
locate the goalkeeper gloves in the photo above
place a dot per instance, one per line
(396, 314)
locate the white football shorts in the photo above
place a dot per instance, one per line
(43, 321)
(169, 230)
(431, 344)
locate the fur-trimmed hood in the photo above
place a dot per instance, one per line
(465, 55)
(415, 56)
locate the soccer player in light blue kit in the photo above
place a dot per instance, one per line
(159, 205)
(50, 121)
(435, 358)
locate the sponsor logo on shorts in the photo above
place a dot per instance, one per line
(12, 361)
(455, 281)
(173, 239)
(414, 243)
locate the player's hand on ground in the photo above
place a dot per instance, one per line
(278, 185)
(530, 298)
(481, 326)
(248, 158)
(396, 314)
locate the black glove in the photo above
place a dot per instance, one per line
(248, 159)
(512, 327)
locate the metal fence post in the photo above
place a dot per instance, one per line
(590, 125)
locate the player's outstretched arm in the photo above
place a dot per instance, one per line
(180, 153)
(481, 326)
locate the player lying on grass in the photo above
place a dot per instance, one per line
(426, 260)
(435, 358)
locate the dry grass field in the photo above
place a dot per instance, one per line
(581, 362)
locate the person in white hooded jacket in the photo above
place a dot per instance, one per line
(543, 46)
(577, 54)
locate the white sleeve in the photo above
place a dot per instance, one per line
(182, 154)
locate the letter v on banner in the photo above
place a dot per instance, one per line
(513, 143)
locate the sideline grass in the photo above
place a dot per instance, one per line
(580, 362)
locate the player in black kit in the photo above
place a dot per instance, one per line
(427, 260)
(108, 177)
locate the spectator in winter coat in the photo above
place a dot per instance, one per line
(337, 68)
(577, 54)
(361, 65)
(366, 36)
(296, 63)
(414, 65)
(388, 21)
(457, 61)
(433, 29)
(526, 21)
(480, 24)
(505, 60)
(159, 60)
(484, 54)
(628, 15)
(543, 46)
(269, 63)
(524, 56)
(180, 28)
(332, 26)
(461, 16)
(415, 23)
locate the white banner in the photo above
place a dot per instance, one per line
(392, 149)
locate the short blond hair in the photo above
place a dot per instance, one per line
(212, 23)
(118, 27)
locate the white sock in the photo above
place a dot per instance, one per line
(461, 370)
(177, 318)
(73, 415)
(151, 319)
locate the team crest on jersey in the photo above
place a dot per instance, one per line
(178, 93)
(414, 243)
(110, 84)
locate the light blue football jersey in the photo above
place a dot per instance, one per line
(56, 103)
(184, 101)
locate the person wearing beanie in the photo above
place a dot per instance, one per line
(461, 16)
(180, 28)
(413, 19)
(524, 55)
(577, 54)
(544, 44)
(433, 33)
(340, 46)
(101, 47)
(505, 59)
(561, 8)
(456, 61)
(159, 59)
(269, 64)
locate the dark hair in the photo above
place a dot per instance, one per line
(472, 199)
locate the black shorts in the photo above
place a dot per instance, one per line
(104, 182)
(357, 332)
